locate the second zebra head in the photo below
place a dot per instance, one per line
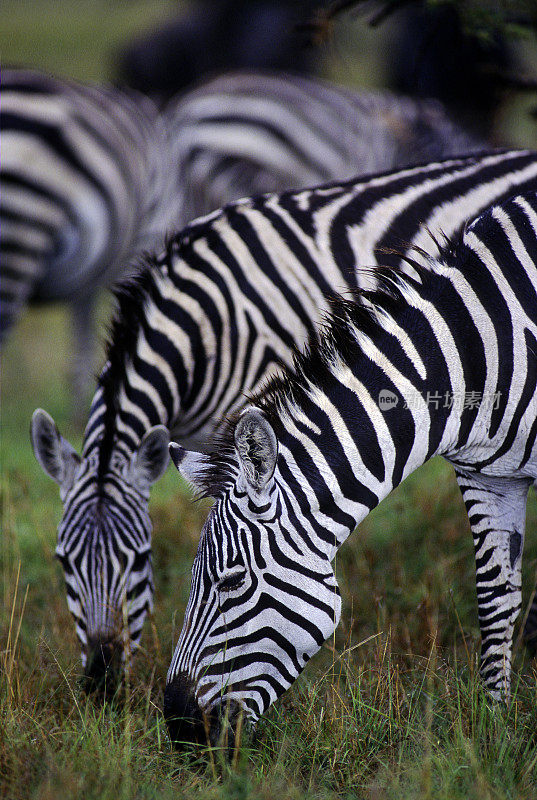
(104, 542)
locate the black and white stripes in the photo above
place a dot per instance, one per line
(92, 176)
(86, 186)
(244, 133)
(319, 447)
(230, 299)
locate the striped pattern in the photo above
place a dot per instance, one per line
(85, 187)
(108, 570)
(235, 292)
(317, 450)
(244, 133)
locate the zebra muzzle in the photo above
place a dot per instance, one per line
(189, 724)
(186, 722)
(103, 666)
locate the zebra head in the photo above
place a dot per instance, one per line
(263, 598)
(104, 543)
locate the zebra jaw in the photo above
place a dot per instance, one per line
(189, 464)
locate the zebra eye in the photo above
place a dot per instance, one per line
(232, 582)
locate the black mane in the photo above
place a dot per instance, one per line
(132, 296)
(359, 310)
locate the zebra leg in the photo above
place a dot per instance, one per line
(496, 509)
(530, 628)
(17, 282)
(82, 311)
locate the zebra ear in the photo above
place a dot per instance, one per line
(57, 457)
(257, 449)
(151, 459)
(191, 465)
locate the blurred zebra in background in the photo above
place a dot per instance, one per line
(318, 449)
(205, 324)
(242, 134)
(85, 187)
(92, 176)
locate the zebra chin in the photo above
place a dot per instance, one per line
(188, 724)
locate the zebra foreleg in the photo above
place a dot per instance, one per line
(82, 316)
(496, 509)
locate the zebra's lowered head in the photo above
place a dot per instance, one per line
(261, 601)
(104, 542)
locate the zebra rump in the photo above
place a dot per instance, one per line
(245, 133)
(85, 188)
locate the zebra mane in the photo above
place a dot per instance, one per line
(132, 296)
(359, 312)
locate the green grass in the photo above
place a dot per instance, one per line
(390, 708)
(75, 38)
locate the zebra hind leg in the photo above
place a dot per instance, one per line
(496, 509)
(17, 282)
(530, 628)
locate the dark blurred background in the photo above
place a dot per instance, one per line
(415, 47)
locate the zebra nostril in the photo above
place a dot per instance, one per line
(186, 722)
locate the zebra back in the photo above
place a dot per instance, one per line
(246, 133)
(238, 290)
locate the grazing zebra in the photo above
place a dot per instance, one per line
(245, 133)
(384, 389)
(85, 186)
(209, 320)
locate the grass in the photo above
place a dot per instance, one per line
(390, 708)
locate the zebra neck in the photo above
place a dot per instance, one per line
(116, 426)
(344, 469)
(375, 402)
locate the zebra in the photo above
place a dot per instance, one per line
(86, 185)
(317, 449)
(91, 176)
(245, 133)
(207, 321)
